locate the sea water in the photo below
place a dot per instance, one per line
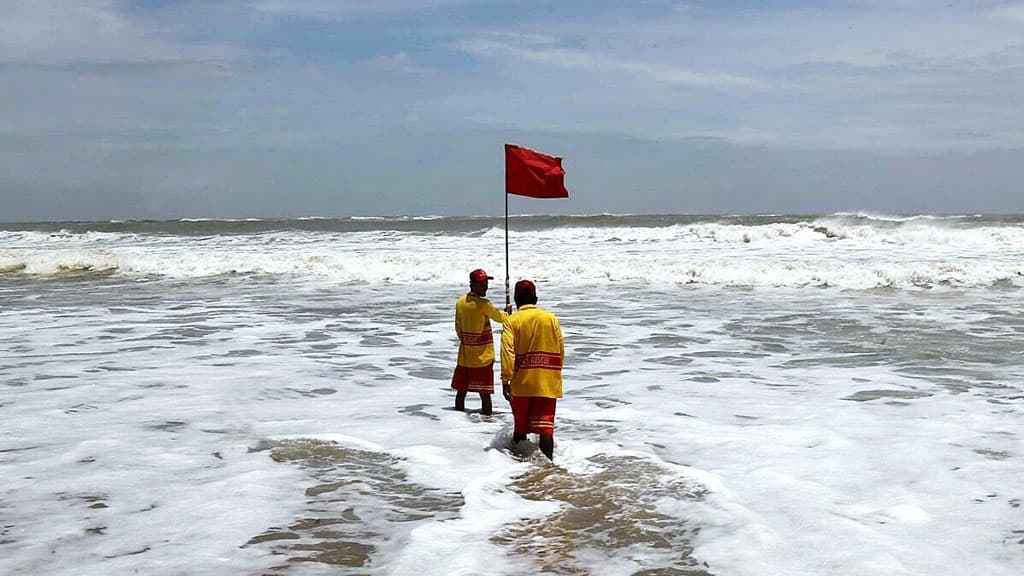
(836, 395)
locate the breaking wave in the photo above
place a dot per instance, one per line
(849, 251)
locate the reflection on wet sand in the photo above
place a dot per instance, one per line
(361, 501)
(611, 513)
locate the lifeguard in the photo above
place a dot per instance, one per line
(474, 371)
(532, 354)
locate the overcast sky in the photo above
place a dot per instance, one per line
(113, 109)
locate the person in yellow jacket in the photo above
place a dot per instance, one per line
(474, 371)
(532, 354)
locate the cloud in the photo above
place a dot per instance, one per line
(399, 62)
(120, 94)
(1007, 12)
(97, 32)
(907, 35)
(343, 9)
(595, 63)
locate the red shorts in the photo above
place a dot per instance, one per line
(534, 415)
(474, 379)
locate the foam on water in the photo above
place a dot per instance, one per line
(296, 423)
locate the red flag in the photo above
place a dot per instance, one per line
(530, 173)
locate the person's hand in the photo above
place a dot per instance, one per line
(508, 309)
(506, 390)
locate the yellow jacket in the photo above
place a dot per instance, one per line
(532, 353)
(473, 316)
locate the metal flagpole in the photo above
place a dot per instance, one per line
(508, 302)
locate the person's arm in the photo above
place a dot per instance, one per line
(508, 359)
(561, 342)
(494, 314)
(458, 324)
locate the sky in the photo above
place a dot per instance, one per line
(163, 109)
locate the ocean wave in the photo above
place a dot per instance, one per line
(227, 220)
(615, 263)
(924, 233)
(534, 223)
(881, 217)
(845, 251)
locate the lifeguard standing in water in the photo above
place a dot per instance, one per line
(474, 371)
(532, 354)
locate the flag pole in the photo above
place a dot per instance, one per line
(507, 301)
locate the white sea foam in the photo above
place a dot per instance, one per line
(140, 422)
(782, 432)
(835, 251)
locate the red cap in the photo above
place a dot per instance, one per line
(525, 287)
(479, 275)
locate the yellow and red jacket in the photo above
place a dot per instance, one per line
(473, 316)
(532, 353)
